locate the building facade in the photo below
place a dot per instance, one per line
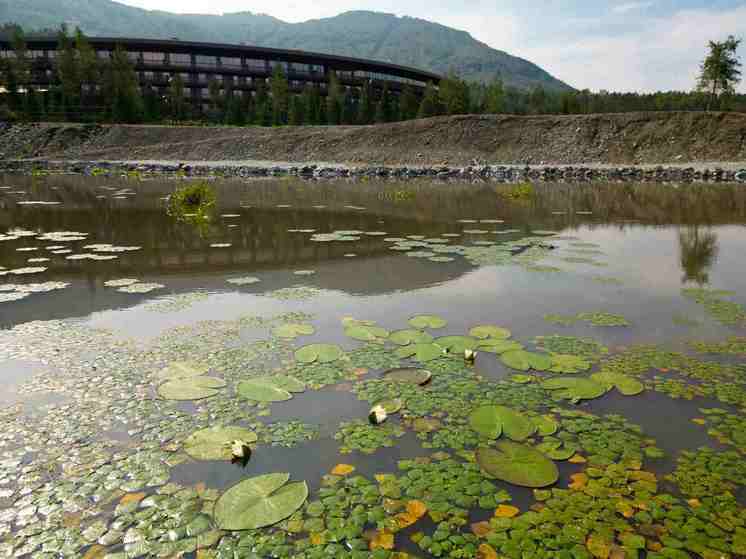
(238, 68)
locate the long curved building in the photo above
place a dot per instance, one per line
(239, 67)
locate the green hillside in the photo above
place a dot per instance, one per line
(401, 40)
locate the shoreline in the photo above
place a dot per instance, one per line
(718, 172)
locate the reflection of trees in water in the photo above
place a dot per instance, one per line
(698, 249)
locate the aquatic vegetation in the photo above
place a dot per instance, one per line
(492, 421)
(175, 303)
(522, 360)
(707, 472)
(366, 438)
(140, 288)
(259, 501)
(323, 353)
(300, 293)
(733, 345)
(292, 330)
(725, 312)
(518, 464)
(574, 389)
(427, 321)
(628, 386)
(213, 443)
(598, 318)
(727, 428)
(246, 280)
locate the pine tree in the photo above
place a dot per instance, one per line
(121, 89)
(89, 70)
(453, 94)
(176, 98)
(279, 88)
(365, 105)
(408, 103)
(495, 97)
(68, 72)
(333, 100)
(429, 103)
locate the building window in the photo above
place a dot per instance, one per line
(203, 60)
(180, 59)
(231, 62)
(153, 57)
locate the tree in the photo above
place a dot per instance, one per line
(296, 110)
(333, 100)
(214, 91)
(429, 103)
(176, 97)
(407, 103)
(280, 91)
(365, 105)
(495, 97)
(89, 71)
(383, 107)
(454, 95)
(68, 72)
(719, 72)
(121, 88)
(234, 113)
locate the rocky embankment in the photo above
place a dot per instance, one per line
(682, 145)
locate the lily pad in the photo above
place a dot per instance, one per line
(262, 392)
(490, 331)
(491, 345)
(391, 406)
(293, 330)
(522, 360)
(427, 321)
(627, 385)
(408, 374)
(456, 344)
(193, 388)
(486, 422)
(406, 337)
(366, 333)
(564, 363)
(515, 425)
(323, 353)
(182, 369)
(518, 464)
(259, 501)
(575, 389)
(213, 443)
(545, 425)
(284, 382)
(421, 352)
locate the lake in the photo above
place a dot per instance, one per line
(187, 369)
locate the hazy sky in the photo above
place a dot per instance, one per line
(619, 45)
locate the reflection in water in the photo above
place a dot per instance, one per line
(699, 250)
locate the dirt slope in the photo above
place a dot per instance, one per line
(634, 138)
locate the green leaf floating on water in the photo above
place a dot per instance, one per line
(190, 388)
(518, 464)
(213, 443)
(293, 330)
(259, 501)
(406, 337)
(456, 344)
(486, 422)
(262, 392)
(284, 382)
(521, 379)
(563, 363)
(575, 389)
(391, 406)
(323, 353)
(627, 385)
(492, 345)
(427, 321)
(490, 331)
(522, 360)
(557, 449)
(182, 369)
(490, 421)
(366, 333)
(408, 374)
(545, 425)
(421, 352)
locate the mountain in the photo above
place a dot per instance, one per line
(400, 40)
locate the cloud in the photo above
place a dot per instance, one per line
(659, 53)
(631, 7)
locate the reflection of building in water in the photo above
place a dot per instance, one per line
(698, 248)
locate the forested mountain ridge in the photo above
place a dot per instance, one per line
(401, 40)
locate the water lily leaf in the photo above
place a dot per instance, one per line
(421, 352)
(293, 330)
(213, 443)
(516, 426)
(323, 353)
(545, 425)
(506, 511)
(489, 331)
(575, 389)
(343, 469)
(521, 379)
(259, 501)
(627, 385)
(557, 449)
(284, 382)
(485, 421)
(522, 360)
(194, 388)
(406, 337)
(492, 345)
(391, 406)
(427, 321)
(564, 363)
(518, 464)
(366, 333)
(262, 392)
(456, 344)
(408, 374)
(182, 369)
